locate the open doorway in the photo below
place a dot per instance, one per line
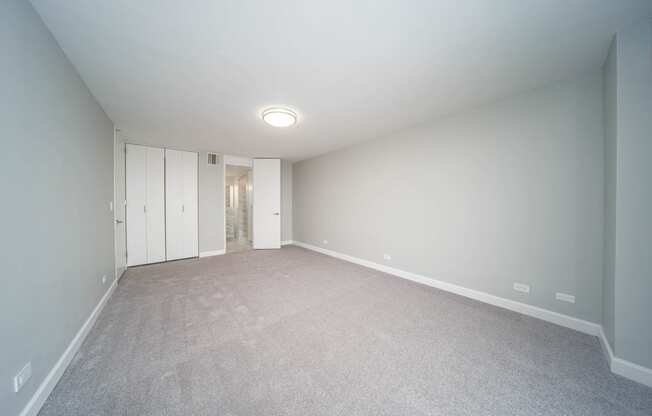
(238, 208)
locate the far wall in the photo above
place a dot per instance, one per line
(508, 192)
(211, 199)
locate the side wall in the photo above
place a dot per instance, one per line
(610, 163)
(56, 173)
(509, 192)
(633, 263)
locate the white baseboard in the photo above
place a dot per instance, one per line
(631, 371)
(287, 242)
(618, 366)
(534, 311)
(622, 367)
(212, 253)
(45, 388)
(606, 347)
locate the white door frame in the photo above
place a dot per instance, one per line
(233, 161)
(118, 204)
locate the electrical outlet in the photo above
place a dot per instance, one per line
(23, 375)
(104, 279)
(325, 241)
(111, 206)
(387, 256)
(522, 287)
(565, 297)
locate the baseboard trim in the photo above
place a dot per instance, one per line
(212, 253)
(622, 367)
(45, 388)
(606, 347)
(632, 371)
(534, 311)
(617, 365)
(287, 242)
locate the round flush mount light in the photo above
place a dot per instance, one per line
(279, 117)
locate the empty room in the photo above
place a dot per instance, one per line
(346, 207)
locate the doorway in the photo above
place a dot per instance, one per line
(238, 208)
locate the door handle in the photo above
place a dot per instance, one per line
(119, 222)
(276, 213)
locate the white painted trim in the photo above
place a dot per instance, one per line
(45, 388)
(287, 242)
(534, 311)
(238, 161)
(622, 367)
(212, 253)
(618, 366)
(224, 199)
(632, 371)
(606, 347)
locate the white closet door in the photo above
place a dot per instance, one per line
(267, 203)
(181, 204)
(155, 205)
(145, 211)
(173, 202)
(136, 194)
(190, 204)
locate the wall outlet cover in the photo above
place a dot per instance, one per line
(387, 257)
(565, 297)
(522, 287)
(104, 279)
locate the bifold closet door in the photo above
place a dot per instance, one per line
(181, 204)
(145, 213)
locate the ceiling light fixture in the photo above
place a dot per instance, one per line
(279, 117)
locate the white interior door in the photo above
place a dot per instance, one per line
(267, 203)
(136, 191)
(155, 205)
(119, 213)
(181, 204)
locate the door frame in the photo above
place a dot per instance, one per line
(118, 204)
(233, 161)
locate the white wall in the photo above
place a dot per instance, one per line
(509, 192)
(56, 175)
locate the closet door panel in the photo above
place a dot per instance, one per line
(190, 200)
(136, 195)
(181, 204)
(174, 204)
(155, 205)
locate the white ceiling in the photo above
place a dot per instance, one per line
(195, 74)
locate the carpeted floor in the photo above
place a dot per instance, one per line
(292, 332)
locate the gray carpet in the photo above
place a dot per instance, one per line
(292, 332)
